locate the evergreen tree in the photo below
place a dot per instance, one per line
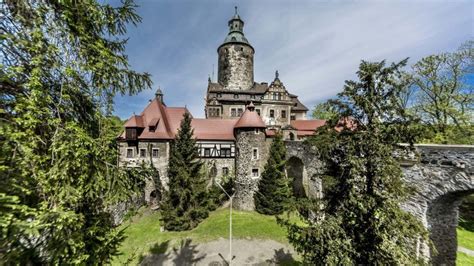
(186, 202)
(274, 194)
(361, 219)
(62, 63)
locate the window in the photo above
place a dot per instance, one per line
(131, 133)
(219, 95)
(207, 152)
(130, 153)
(240, 111)
(258, 111)
(252, 96)
(274, 96)
(225, 152)
(233, 112)
(279, 96)
(292, 117)
(255, 172)
(272, 113)
(214, 112)
(155, 153)
(283, 113)
(255, 154)
(152, 128)
(236, 96)
(225, 170)
(142, 153)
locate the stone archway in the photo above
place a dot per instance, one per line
(296, 172)
(304, 165)
(442, 176)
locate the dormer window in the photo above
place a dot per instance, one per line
(131, 133)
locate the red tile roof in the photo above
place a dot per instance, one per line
(307, 125)
(135, 121)
(250, 119)
(213, 129)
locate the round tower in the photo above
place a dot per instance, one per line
(252, 153)
(235, 64)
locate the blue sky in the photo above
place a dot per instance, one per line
(315, 45)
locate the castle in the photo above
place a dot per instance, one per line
(242, 116)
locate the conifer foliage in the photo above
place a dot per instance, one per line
(273, 195)
(62, 62)
(186, 202)
(361, 220)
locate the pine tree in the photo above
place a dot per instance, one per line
(185, 203)
(62, 62)
(362, 222)
(273, 195)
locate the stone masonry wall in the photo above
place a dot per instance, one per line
(235, 66)
(442, 176)
(245, 183)
(160, 162)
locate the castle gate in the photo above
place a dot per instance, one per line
(303, 167)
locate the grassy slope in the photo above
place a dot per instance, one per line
(143, 233)
(465, 231)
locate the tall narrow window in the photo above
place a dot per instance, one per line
(233, 112)
(130, 153)
(255, 154)
(272, 113)
(155, 153)
(142, 153)
(283, 113)
(240, 111)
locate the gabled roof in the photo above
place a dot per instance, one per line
(166, 121)
(135, 121)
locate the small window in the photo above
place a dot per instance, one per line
(225, 152)
(258, 111)
(240, 111)
(272, 113)
(236, 96)
(219, 95)
(292, 117)
(233, 112)
(225, 170)
(255, 172)
(283, 113)
(274, 96)
(207, 152)
(255, 154)
(142, 153)
(131, 133)
(152, 128)
(130, 153)
(155, 153)
(214, 112)
(252, 96)
(279, 96)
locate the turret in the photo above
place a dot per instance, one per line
(235, 64)
(250, 158)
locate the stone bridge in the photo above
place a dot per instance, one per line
(441, 174)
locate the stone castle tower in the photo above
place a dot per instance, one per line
(252, 154)
(235, 64)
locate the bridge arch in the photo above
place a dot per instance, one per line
(443, 176)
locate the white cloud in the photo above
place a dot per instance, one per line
(315, 45)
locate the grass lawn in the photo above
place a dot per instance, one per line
(144, 236)
(465, 234)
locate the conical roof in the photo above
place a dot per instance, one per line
(250, 119)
